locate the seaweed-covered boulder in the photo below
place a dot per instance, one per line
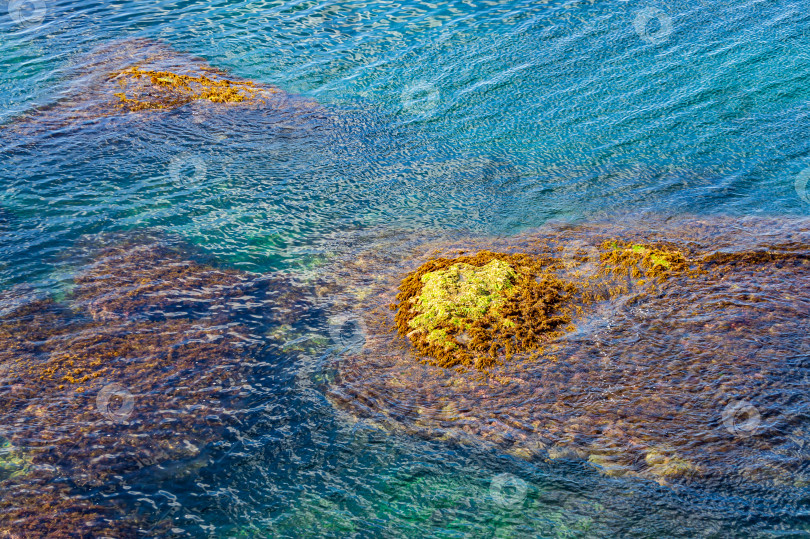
(144, 363)
(470, 310)
(464, 310)
(680, 353)
(139, 79)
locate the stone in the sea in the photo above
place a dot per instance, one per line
(472, 310)
(681, 321)
(141, 366)
(465, 311)
(138, 79)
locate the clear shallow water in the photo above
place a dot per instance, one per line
(491, 117)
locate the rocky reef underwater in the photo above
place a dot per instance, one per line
(145, 360)
(671, 351)
(144, 81)
(666, 350)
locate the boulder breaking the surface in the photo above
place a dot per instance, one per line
(677, 353)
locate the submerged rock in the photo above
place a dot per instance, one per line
(140, 78)
(142, 366)
(681, 352)
(148, 89)
(13, 461)
(471, 309)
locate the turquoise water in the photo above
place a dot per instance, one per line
(491, 117)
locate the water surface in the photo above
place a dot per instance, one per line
(453, 118)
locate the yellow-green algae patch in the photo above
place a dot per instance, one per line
(460, 295)
(477, 310)
(638, 260)
(145, 89)
(470, 311)
(14, 462)
(665, 464)
(142, 75)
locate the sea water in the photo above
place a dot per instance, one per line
(486, 117)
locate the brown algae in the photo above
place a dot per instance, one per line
(142, 75)
(149, 89)
(141, 365)
(469, 310)
(641, 261)
(473, 310)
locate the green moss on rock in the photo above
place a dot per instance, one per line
(13, 461)
(475, 310)
(460, 295)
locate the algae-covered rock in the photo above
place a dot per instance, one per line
(140, 367)
(476, 310)
(471, 310)
(137, 79)
(640, 260)
(664, 464)
(149, 89)
(14, 462)
(680, 320)
(458, 296)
